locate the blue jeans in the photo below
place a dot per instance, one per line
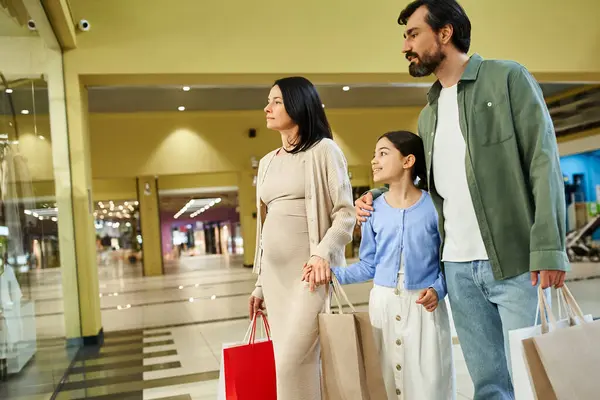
(484, 310)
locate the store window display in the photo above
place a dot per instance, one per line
(21, 249)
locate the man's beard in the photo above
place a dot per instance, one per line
(426, 65)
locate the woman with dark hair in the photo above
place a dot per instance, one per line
(306, 218)
(399, 251)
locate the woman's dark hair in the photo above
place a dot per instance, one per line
(441, 13)
(303, 104)
(408, 143)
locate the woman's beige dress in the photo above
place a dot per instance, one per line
(292, 309)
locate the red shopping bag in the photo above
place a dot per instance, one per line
(250, 368)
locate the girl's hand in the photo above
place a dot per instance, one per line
(429, 299)
(306, 272)
(308, 276)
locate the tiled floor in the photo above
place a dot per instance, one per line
(164, 335)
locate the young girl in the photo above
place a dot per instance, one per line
(399, 250)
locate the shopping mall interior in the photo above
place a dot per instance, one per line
(130, 136)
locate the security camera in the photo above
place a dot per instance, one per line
(31, 25)
(84, 25)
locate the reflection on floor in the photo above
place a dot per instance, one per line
(42, 375)
(164, 335)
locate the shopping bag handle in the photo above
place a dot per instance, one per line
(546, 316)
(252, 338)
(571, 305)
(329, 293)
(337, 290)
(562, 304)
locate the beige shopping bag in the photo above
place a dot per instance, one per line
(521, 341)
(571, 357)
(349, 357)
(539, 380)
(537, 374)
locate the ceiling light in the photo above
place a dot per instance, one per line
(181, 108)
(9, 90)
(54, 219)
(186, 88)
(24, 112)
(41, 137)
(346, 88)
(323, 105)
(184, 209)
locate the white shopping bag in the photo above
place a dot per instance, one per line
(221, 389)
(520, 372)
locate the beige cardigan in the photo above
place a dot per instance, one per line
(329, 205)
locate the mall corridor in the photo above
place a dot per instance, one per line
(136, 139)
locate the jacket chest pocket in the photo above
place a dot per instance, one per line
(492, 122)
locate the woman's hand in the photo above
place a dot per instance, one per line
(316, 272)
(255, 304)
(429, 299)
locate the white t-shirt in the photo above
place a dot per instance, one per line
(463, 241)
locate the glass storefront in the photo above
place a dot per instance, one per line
(32, 305)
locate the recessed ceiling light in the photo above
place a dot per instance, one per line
(186, 88)
(346, 88)
(323, 105)
(41, 137)
(181, 108)
(9, 90)
(24, 112)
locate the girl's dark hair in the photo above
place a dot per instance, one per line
(303, 104)
(408, 143)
